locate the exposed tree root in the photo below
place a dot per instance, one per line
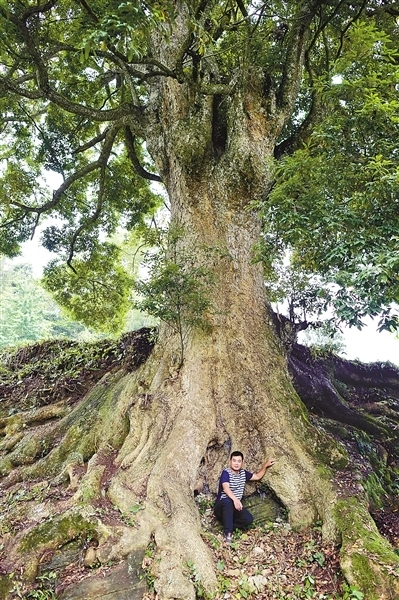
(121, 465)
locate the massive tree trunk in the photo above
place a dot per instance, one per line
(232, 390)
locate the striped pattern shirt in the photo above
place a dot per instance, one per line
(237, 482)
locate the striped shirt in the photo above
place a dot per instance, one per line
(237, 482)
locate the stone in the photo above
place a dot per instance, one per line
(124, 581)
(259, 582)
(90, 558)
(263, 508)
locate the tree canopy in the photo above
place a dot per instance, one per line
(77, 99)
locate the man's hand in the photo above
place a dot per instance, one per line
(237, 504)
(257, 476)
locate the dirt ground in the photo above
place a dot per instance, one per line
(274, 562)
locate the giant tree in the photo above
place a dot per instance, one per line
(201, 97)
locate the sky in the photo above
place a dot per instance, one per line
(369, 345)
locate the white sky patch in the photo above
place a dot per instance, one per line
(370, 345)
(367, 345)
(35, 255)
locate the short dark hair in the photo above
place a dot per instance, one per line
(236, 453)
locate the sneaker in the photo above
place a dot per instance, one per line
(228, 538)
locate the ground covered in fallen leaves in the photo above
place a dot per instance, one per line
(272, 562)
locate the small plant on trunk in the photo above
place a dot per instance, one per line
(177, 289)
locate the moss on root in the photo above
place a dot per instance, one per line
(6, 585)
(367, 559)
(57, 532)
(83, 431)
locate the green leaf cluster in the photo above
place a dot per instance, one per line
(123, 26)
(335, 202)
(96, 292)
(177, 289)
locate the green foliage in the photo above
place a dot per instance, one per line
(304, 293)
(45, 589)
(42, 589)
(177, 290)
(196, 579)
(124, 26)
(324, 340)
(96, 291)
(204, 503)
(224, 583)
(351, 593)
(335, 202)
(37, 493)
(129, 518)
(28, 313)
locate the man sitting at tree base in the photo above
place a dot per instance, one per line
(228, 507)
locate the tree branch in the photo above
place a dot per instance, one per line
(89, 11)
(80, 174)
(99, 138)
(46, 91)
(242, 8)
(295, 56)
(315, 112)
(129, 142)
(37, 10)
(91, 220)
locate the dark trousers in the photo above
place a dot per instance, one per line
(231, 518)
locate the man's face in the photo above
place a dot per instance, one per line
(236, 463)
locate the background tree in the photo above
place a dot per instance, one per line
(216, 90)
(28, 313)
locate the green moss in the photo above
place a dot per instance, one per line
(26, 452)
(366, 556)
(5, 586)
(367, 575)
(328, 451)
(58, 531)
(375, 490)
(41, 373)
(5, 467)
(94, 423)
(336, 429)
